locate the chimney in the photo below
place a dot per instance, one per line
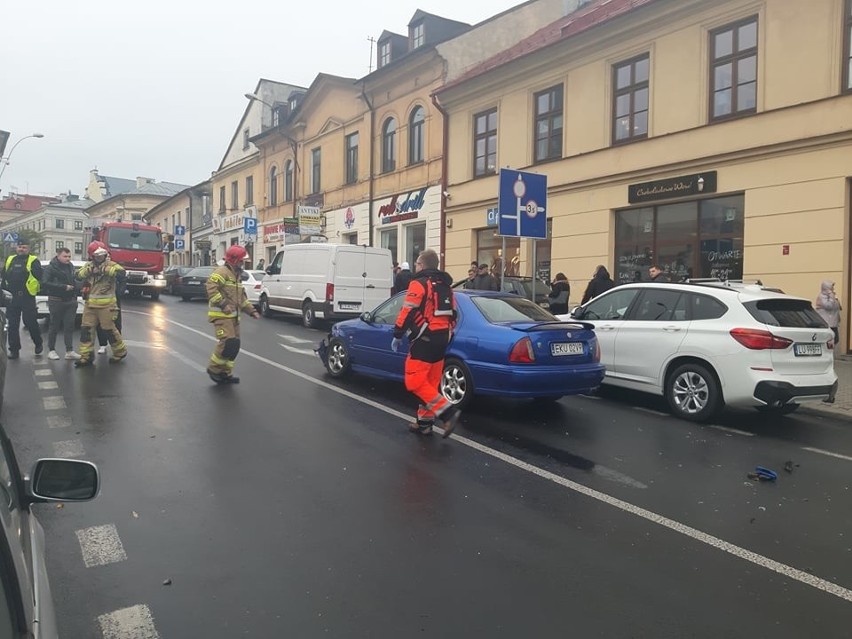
(142, 181)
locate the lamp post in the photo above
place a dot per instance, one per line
(4, 162)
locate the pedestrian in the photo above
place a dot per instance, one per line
(560, 291)
(260, 264)
(427, 317)
(657, 275)
(99, 277)
(828, 307)
(600, 283)
(22, 275)
(471, 276)
(484, 281)
(403, 278)
(226, 298)
(103, 335)
(60, 285)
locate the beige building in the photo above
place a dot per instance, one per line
(132, 205)
(712, 138)
(176, 217)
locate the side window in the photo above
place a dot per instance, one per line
(705, 307)
(275, 267)
(657, 305)
(386, 314)
(244, 277)
(610, 307)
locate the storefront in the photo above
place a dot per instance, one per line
(519, 254)
(276, 235)
(349, 225)
(408, 223)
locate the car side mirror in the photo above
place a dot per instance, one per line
(577, 312)
(244, 277)
(64, 480)
(273, 270)
(366, 316)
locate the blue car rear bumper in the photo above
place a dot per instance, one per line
(536, 381)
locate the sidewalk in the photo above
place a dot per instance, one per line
(842, 406)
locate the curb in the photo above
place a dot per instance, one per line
(838, 413)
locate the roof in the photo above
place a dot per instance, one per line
(584, 19)
(117, 186)
(167, 189)
(25, 203)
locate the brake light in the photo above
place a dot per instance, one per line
(329, 292)
(759, 340)
(597, 355)
(522, 352)
(257, 286)
(831, 344)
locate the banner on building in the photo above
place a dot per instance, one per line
(310, 220)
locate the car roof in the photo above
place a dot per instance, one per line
(744, 291)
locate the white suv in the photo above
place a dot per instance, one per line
(704, 346)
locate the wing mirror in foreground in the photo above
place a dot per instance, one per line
(577, 312)
(64, 480)
(366, 316)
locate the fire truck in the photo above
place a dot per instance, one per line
(139, 249)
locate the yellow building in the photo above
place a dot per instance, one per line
(712, 138)
(176, 217)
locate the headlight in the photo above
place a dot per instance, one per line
(159, 276)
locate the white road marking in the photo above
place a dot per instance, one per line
(192, 364)
(69, 449)
(300, 351)
(819, 451)
(54, 402)
(43, 372)
(295, 340)
(590, 397)
(733, 431)
(651, 411)
(687, 531)
(48, 385)
(58, 421)
(135, 622)
(614, 475)
(101, 546)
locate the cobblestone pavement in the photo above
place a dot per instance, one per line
(842, 406)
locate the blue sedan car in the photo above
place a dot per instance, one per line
(503, 345)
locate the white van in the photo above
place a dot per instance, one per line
(326, 281)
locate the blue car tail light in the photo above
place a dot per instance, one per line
(522, 352)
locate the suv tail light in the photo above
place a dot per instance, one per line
(329, 292)
(258, 286)
(759, 340)
(522, 352)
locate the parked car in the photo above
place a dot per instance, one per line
(521, 286)
(173, 275)
(253, 286)
(41, 300)
(26, 608)
(503, 345)
(704, 346)
(194, 283)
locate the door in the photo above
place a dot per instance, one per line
(273, 281)
(607, 313)
(378, 278)
(349, 279)
(372, 341)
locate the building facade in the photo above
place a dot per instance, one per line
(132, 205)
(177, 216)
(59, 224)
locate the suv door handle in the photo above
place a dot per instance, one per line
(671, 329)
(607, 327)
(370, 286)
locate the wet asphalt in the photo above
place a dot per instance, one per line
(280, 507)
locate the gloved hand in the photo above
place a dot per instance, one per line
(395, 342)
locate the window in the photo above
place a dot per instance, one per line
(78, 225)
(60, 223)
(389, 241)
(384, 53)
(415, 135)
(485, 143)
(273, 186)
(245, 139)
(389, 146)
(658, 305)
(249, 190)
(221, 199)
(489, 250)
(316, 167)
(847, 48)
(78, 248)
(612, 306)
(352, 158)
(60, 244)
(733, 69)
(704, 307)
(415, 241)
(418, 34)
(630, 99)
(548, 124)
(235, 195)
(288, 181)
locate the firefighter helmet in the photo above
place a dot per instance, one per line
(236, 255)
(97, 248)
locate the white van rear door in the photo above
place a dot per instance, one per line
(349, 279)
(378, 280)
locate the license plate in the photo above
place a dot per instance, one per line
(349, 306)
(801, 350)
(193, 283)
(566, 348)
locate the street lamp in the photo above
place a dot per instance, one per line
(5, 161)
(254, 96)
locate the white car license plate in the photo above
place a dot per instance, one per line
(193, 283)
(349, 306)
(566, 348)
(807, 349)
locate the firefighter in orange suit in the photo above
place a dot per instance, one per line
(99, 276)
(226, 298)
(427, 317)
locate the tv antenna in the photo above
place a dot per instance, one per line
(372, 41)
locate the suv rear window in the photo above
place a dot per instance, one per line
(787, 313)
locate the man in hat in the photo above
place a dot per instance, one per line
(22, 274)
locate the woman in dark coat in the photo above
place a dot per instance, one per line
(600, 283)
(560, 290)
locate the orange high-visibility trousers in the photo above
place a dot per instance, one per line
(422, 379)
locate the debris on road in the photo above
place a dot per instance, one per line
(167, 582)
(763, 474)
(788, 466)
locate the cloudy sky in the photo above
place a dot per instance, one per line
(155, 88)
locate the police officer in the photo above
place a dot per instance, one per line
(226, 298)
(427, 316)
(21, 276)
(99, 275)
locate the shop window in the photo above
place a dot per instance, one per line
(548, 124)
(415, 135)
(847, 47)
(485, 143)
(489, 250)
(630, 90)
(390, 241)
(415, 241)
(733, 69)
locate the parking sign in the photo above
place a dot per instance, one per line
(250, 225)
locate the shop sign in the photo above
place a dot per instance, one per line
(291, 230)
(682, 186)
(232, 222)
(310, 220)
(349, 218)
(273, 233)
(400, 210)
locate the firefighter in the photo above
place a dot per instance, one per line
(226, 298)
(99, 277)
(427, 317)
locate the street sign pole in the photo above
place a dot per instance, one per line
(503, 263)
(534, 264)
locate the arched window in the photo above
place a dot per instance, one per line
(389, 146)
(415, 135)
(288, 181)
(273, 186)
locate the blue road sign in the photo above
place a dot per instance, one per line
(522, 204)
(180, 229)
(491, 217)
(250, 225)
(10, 236)
(180, 245)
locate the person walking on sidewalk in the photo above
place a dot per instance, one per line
(427, 317)
(99, 275)
(560, 291)
(22, 275)
(60, 285)
(601, 282)
(828, 307)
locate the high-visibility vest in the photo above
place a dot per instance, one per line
(33, 285)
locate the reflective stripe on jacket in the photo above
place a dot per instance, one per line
(101, 280)
(225, 291)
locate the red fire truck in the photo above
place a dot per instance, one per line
(139, 249)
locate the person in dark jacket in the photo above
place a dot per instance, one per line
(60, 286)
(657, 275)
(560, 291)
(600, 283)
(402, 278)
(484, 281)
(22, 275)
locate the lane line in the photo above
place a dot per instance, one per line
(828, 453)
(595, 397)
(732, 431)
(101, 545)
(58, 421)
(295, 340)
(135, 622)
(300, 351)
(692, 533)
(69, 449)
(48, 385)
(54, 402)
(183, 358)
(43, 372)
